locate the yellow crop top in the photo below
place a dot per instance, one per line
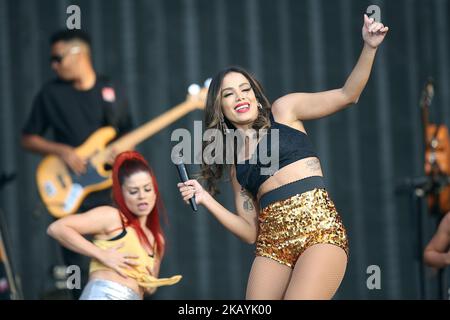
(139, 272)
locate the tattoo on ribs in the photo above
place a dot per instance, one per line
(313, 165)
(248, 203)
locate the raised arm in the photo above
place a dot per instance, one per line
(244, 224)
(437, 252)
(308, 106)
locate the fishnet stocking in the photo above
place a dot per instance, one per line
(317, 273)
(268, 279)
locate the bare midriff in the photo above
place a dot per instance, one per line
(111, 275)
(298, 170)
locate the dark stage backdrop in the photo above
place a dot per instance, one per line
(158, 47)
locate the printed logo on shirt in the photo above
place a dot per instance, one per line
(109, 94)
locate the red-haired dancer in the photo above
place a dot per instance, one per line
(128, 243)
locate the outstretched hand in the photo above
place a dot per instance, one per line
(373, 32)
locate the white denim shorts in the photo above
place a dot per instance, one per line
(98, 289)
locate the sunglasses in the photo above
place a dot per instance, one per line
(56, 58)
(59, 58)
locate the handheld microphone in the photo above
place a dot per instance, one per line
(182, 172)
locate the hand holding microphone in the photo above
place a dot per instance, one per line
(187, 187)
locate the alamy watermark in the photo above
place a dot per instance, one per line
(74, 20)
(373, 282)
(74, 278)
(374, 11)
(67, 277)
(230, 149)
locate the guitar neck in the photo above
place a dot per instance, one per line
(152, 127)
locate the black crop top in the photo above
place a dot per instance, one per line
(293, 145)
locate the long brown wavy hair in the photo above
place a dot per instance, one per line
(212, 173)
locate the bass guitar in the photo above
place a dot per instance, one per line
(62, 191)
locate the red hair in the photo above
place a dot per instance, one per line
(126, 164)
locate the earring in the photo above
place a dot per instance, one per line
(223, 124)
(260, 107)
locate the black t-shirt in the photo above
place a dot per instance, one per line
(73, 115)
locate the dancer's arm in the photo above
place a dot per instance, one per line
(308, 106)
(243, 224)
(69, 232)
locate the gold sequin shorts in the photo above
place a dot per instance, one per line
(290, 226)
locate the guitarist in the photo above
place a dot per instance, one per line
(73, 106)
